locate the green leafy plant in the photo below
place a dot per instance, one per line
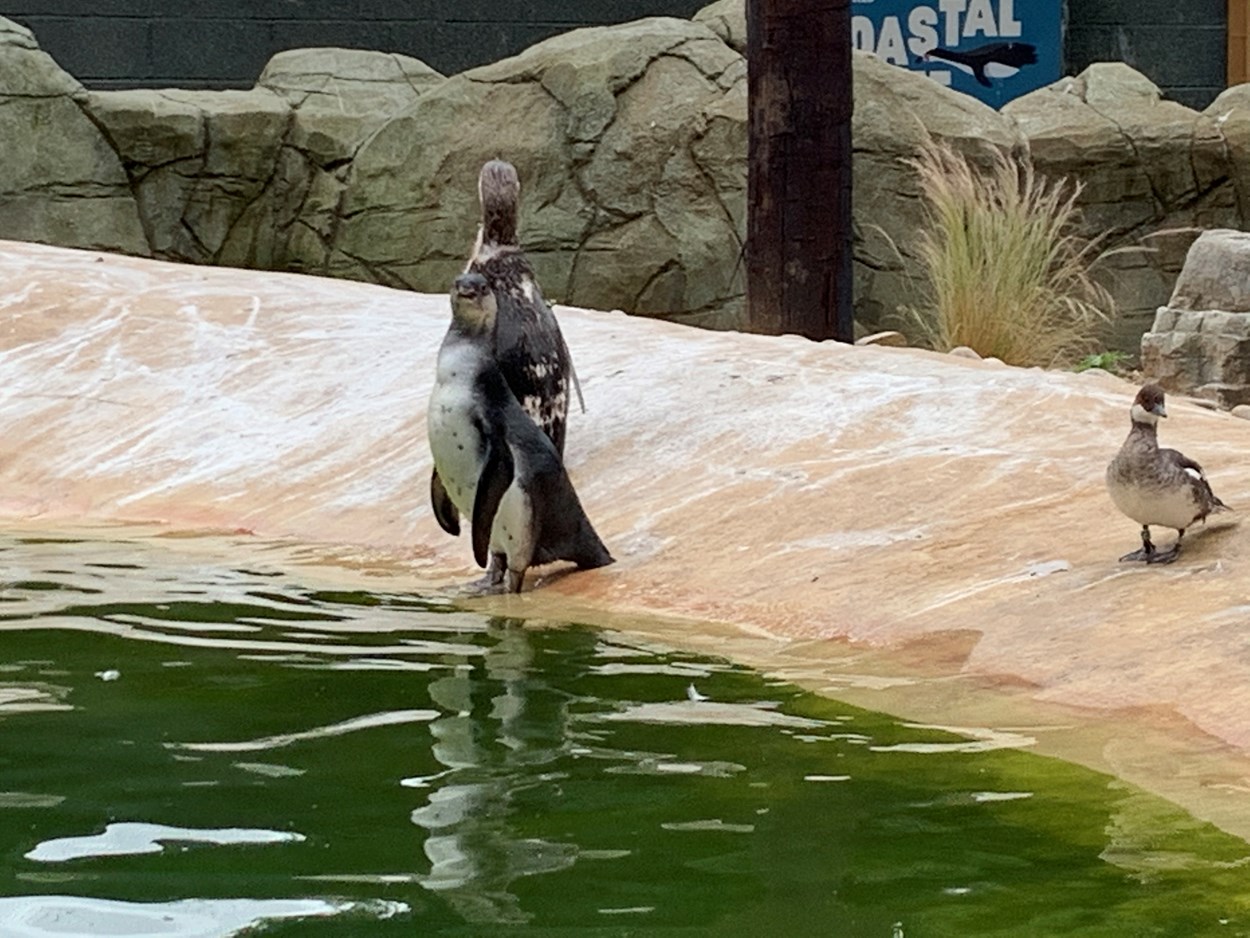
(1107, 361)
(1007, 274)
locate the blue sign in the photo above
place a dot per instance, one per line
(995, 50)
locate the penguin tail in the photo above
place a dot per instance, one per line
(591, 552)
(585, 548)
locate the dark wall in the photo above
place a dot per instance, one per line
(1181, 45)
(225, 43)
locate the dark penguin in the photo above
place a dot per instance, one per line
(996, 60)
(496, 465)
(1157, 486)
(529, 347)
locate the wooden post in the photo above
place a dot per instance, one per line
(798, 251)
(1238, 41)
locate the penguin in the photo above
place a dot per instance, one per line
(495, 465)
(529, 347)
(995, 60)
(528, 343)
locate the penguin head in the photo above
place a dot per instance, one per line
(473, 304)
(499, 191)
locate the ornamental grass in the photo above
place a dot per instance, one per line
(1007, 273)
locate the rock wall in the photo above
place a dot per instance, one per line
(1200, 342)
(631, 144)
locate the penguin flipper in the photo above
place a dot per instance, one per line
(444, 511)
(497, 473)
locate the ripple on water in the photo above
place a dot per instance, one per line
(265, 743)
(132, 838)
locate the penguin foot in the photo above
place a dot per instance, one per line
(480, 587)
(515, 579)
(492, 580)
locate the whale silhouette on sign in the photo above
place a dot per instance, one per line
(996, 60)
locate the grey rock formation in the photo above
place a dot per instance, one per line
(341, 96)
(254, 178)
(60, 181)
(630, 144)
(728, 19)
(196, 160)
(1200, 342)
(1154, 173)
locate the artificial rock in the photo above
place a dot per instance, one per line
(631, 143)
(1200, 342)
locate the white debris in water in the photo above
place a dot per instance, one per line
(826, 778)
(693, 694)
(112, 674)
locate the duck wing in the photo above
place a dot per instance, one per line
(1191, 472)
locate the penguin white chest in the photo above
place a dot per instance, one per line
(512, 529)
(452, 421)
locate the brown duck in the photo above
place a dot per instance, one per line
(1157, 486)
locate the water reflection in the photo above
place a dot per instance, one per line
(500, 722)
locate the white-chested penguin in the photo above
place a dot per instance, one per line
(495, 465)
(529, 347)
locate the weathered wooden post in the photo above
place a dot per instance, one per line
(798, 251)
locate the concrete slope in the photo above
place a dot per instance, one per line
(810, 490)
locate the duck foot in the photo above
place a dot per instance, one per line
(1150, 554)
(1165, 556)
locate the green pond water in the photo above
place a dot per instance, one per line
(191, 749)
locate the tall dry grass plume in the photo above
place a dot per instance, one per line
(1008, 275)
